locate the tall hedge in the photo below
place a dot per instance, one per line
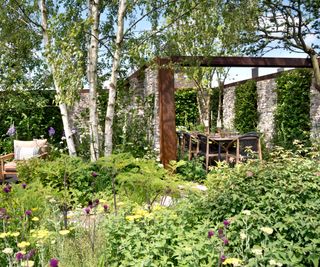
(187, 113)
(246, 113)
(292, 118)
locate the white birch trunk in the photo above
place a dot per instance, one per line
(92, 79)
(112, 91)
(63, 107)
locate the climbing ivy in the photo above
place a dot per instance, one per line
(246, 114)
(187, 113)
(292, 119)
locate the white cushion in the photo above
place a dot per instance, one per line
(22, 153)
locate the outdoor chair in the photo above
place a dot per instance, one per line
(208, 148)
(23, 150)
(245, 147)
(191, 144)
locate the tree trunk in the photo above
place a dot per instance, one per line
(92, 79)
(203, 98)
(113, 83)
(63, 107)
(316, 70)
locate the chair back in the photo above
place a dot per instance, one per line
(249, 145)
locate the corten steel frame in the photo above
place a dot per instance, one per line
(167, 120)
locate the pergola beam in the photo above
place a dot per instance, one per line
(271, 62)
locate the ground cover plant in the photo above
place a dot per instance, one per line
(254, 214)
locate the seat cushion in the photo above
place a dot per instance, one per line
(22, 153)
(42, 144)
(10, 166)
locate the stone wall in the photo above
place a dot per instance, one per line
(315, 112)
(267, 103)
(228, 112)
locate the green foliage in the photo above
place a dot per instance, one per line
(141, 180)
(32, 113)
(292, 118)
(282, 194)
(189, 170)
(246, 113)
(68, 175)
(132, 125)
(187, 113)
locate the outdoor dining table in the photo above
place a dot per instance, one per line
(223, 140)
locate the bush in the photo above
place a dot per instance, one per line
(65, 174)
(246, 113)
(292, 117)
(283, 194)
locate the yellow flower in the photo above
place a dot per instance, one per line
(133, 217)
(23, 244)
(34, 209)
(64, 232)
(27, 263)
(15, 234)
(233, 261)
(8, 251)
(267, 230)
(157, 207)
(41, 234)
(141, 212)
(35, 219)
(4, 235)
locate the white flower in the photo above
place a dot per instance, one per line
(274, 263)
(257, 251)
(267, 230)
(8, 251)
(243, 235)
(246, 212)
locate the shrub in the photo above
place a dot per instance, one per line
(246, 113)
(282, 194)
(292, 117)
(65, 174)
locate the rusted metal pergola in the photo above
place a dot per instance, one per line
(168, 142)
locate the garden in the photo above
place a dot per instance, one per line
(91, 94)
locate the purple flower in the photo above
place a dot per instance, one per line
(19, 256)
(87, 210)
(54, 262)
(24, 185)
(51, 131)
(30, 254)
(3, 213)
(225, 241)
(223, 258)
(96, 202)
(28, 212)
(210, 233)
(94, 174)
(226, 223)
(105, 207)
(220, 232)
(11, 131)
(7, 189)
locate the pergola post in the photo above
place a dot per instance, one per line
(167, 114)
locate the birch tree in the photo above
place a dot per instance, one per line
(94, 13)
(64, 60)
(113, 80)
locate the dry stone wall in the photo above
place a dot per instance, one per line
(267, 103)
(228, 107)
